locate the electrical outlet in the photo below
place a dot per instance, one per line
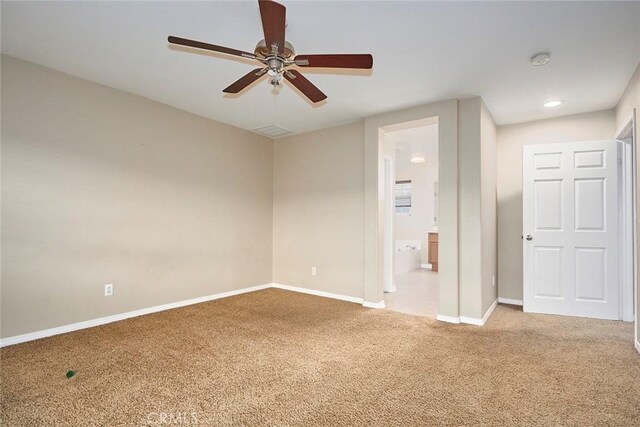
(108, 290)
(314, 272)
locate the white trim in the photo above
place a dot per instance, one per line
(427, 266)
(122, 316)
(489, 312)
(373, 304)
(448, 319)
(625, 200)
(626, 122)
(389, 234)
(318, 293)
(471, 321)
(638, 346)
(479, 322)
(510, 301)
(631, 122)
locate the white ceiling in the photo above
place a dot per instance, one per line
(423, 52)
(416, 141)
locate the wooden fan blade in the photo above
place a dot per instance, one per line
(335, 61)
(207, 46)
(273, 23)
(304, 86)
(245, 81)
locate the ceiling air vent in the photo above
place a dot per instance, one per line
(272, 131)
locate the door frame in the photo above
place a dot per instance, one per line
(389, 234)
(446, 114)
(628, 216)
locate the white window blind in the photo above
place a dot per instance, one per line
(403, 197)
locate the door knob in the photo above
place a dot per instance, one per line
(529, 237)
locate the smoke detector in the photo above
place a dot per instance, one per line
(539, 59)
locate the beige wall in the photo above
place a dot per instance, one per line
(319, 210)
(631, 99)
(511, 139)
(100, 186)
(470, 221)
(477, 157)
(489, 251)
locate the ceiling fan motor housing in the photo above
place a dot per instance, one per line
(263, 51)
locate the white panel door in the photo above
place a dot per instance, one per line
(570, 229)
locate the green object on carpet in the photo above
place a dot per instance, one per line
(71, 374)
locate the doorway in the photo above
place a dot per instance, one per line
(411, 279)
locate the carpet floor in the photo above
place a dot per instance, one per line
(280, 358)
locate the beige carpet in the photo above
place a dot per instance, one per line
(279, 358)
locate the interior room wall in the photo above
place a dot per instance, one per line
(489, 253)
(511, 139)
(477, 220)
(629, 100)
(318, 210)
(100, 186)
(470, 220)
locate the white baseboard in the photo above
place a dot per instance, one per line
(373, 304)
(489, 312)
(469, 320)
(318, 293)
(330, 295)
(510, 301)
(638, 346)
(427, 266)
(479, 322)
(448, 319)
(122, 316)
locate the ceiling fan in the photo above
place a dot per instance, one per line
(277, 55)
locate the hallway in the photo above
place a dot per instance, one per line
(417, 293)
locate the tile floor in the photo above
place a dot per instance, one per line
(417, 293)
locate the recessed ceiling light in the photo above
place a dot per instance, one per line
(551, 104)
(417, 159)
(539, 59)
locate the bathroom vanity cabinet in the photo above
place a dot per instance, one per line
(432, 245)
